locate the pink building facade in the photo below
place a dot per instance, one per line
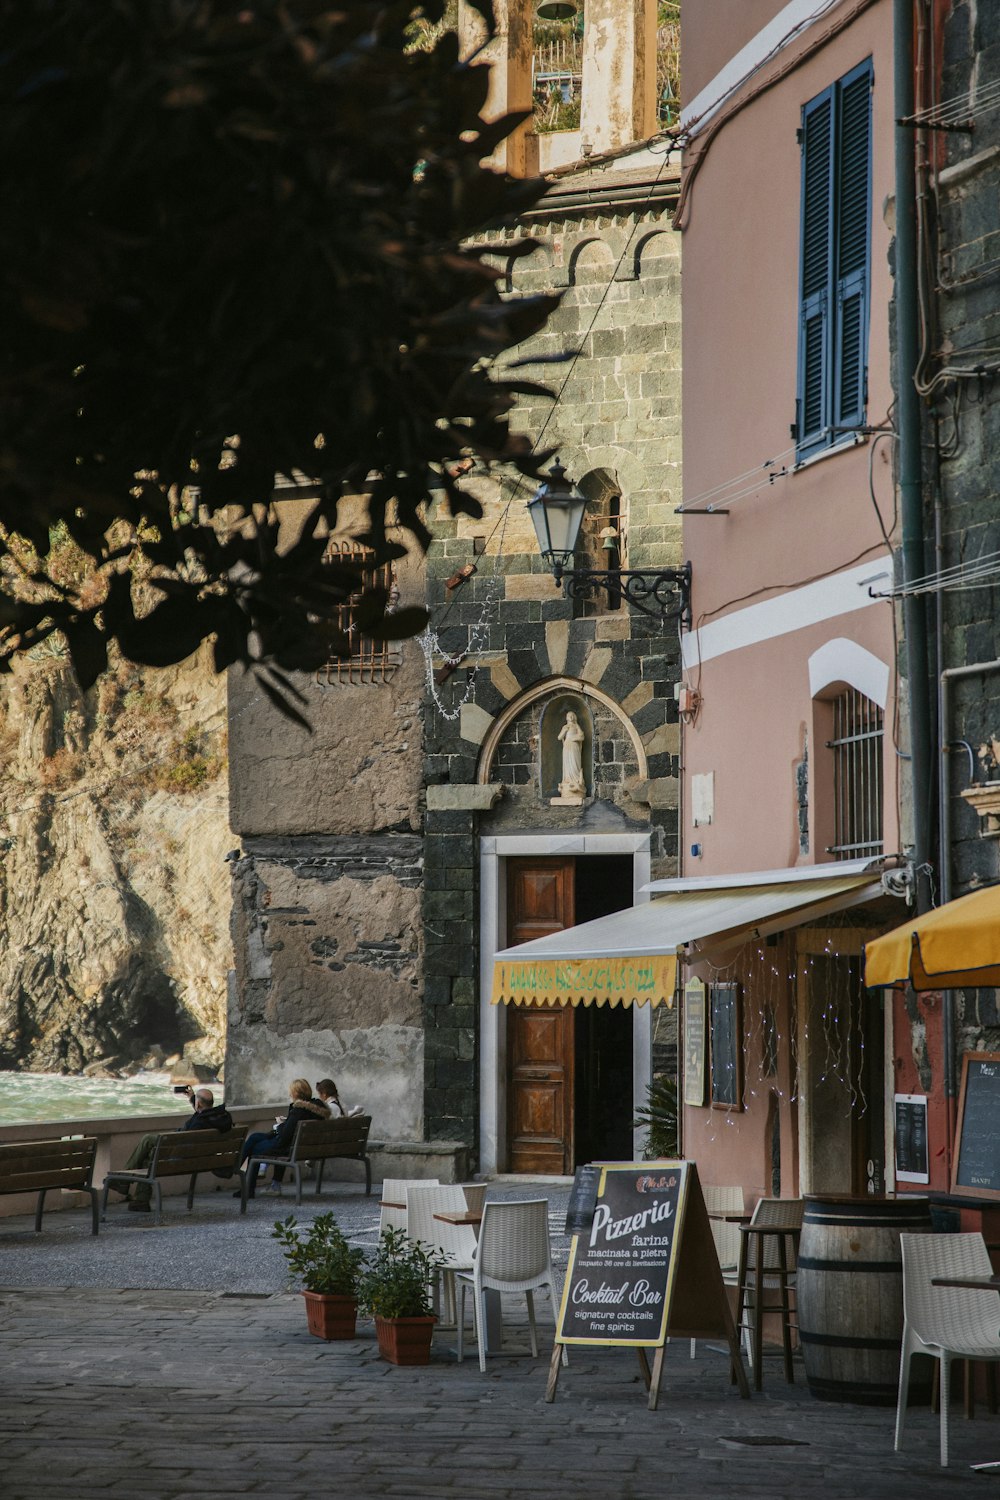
(794, 732)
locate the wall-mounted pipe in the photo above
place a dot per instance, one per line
(910, 476)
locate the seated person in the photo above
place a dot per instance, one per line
(277, 1142)
(327, 1091)
(207, 1115)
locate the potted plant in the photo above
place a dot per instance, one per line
(396, 1292)
(329, 1271)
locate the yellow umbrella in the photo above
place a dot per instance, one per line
(958, 944)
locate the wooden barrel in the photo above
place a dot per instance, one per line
(849, 1294)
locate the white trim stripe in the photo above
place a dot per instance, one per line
(786, 27)
(839, 594)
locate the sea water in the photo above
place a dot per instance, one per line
(31, 1097)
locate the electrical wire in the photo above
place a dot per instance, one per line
(721, 494)
(959, 107)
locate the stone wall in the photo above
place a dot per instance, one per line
(616, 429)
(968, 434)
(356, 895)
(326, 921)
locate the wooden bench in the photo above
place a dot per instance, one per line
(182, 1153)
(38, 1166)
(320, 1141)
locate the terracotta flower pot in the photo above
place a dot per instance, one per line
(405, 1341)
(331, 1316)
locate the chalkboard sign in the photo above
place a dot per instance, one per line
(976, 1172)
(644, 1268)
(910, 1138)
(619, 1271)
(582, 1200)
(727, 1048)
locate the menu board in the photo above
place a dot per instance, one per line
(642, 1268)
(727, 1086)
(582, 1203)
(976, 1172)
(910, 1138)
(618, 1281)
(694, 1042)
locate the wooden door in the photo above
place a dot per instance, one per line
(539, 1038)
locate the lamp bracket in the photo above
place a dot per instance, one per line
(663, 595)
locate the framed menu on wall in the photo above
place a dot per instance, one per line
(727, 1046)
(910, 1138)
(694, 1042)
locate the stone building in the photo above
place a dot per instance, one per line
(960, 375)
(387, 856)
(957, 129)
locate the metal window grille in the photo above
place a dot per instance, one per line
(857, 776)
(369, 660)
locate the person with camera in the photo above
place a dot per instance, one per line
(206, 1115)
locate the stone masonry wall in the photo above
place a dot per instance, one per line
(326, 891)
(615, 426)
(968, 306)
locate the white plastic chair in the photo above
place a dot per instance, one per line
(456, 1243)
(475, 1196)
(513, 1255)
(394, 1191)
(945, 1322)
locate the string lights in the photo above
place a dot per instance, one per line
(773, 1052)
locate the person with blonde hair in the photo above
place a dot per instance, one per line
(276, 1142)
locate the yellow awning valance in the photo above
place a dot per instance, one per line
(956, 945)
(630, 956)
(649, 979)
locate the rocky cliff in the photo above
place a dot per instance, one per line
(114, 891)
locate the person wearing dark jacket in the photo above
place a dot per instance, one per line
(276, 1142)
(207, 1115)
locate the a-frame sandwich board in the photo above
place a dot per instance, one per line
(645, 1271)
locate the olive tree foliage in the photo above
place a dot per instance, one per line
(236, 245)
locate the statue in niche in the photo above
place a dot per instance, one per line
(573, 786)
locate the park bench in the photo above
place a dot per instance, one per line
(38, 1166)
(321, 1141)
(182, 1153)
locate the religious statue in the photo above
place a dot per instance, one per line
(573, 786)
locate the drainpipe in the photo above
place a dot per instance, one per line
(910, 455)
(911, 503)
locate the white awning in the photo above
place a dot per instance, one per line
(630, 957)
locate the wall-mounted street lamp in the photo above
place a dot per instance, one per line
(556, 512)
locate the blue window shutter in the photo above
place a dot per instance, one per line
(835, 257)
(816, 262)
(853, 248)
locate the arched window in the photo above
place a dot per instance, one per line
(854, 746)
(603, 537)
(369, 660)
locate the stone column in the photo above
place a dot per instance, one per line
(619, 73)
(509, 57)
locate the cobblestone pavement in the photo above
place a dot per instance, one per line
(185, 1392)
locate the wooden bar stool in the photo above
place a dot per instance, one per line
(767, 1265)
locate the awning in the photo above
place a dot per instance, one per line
(630, 957)
(958, 944)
